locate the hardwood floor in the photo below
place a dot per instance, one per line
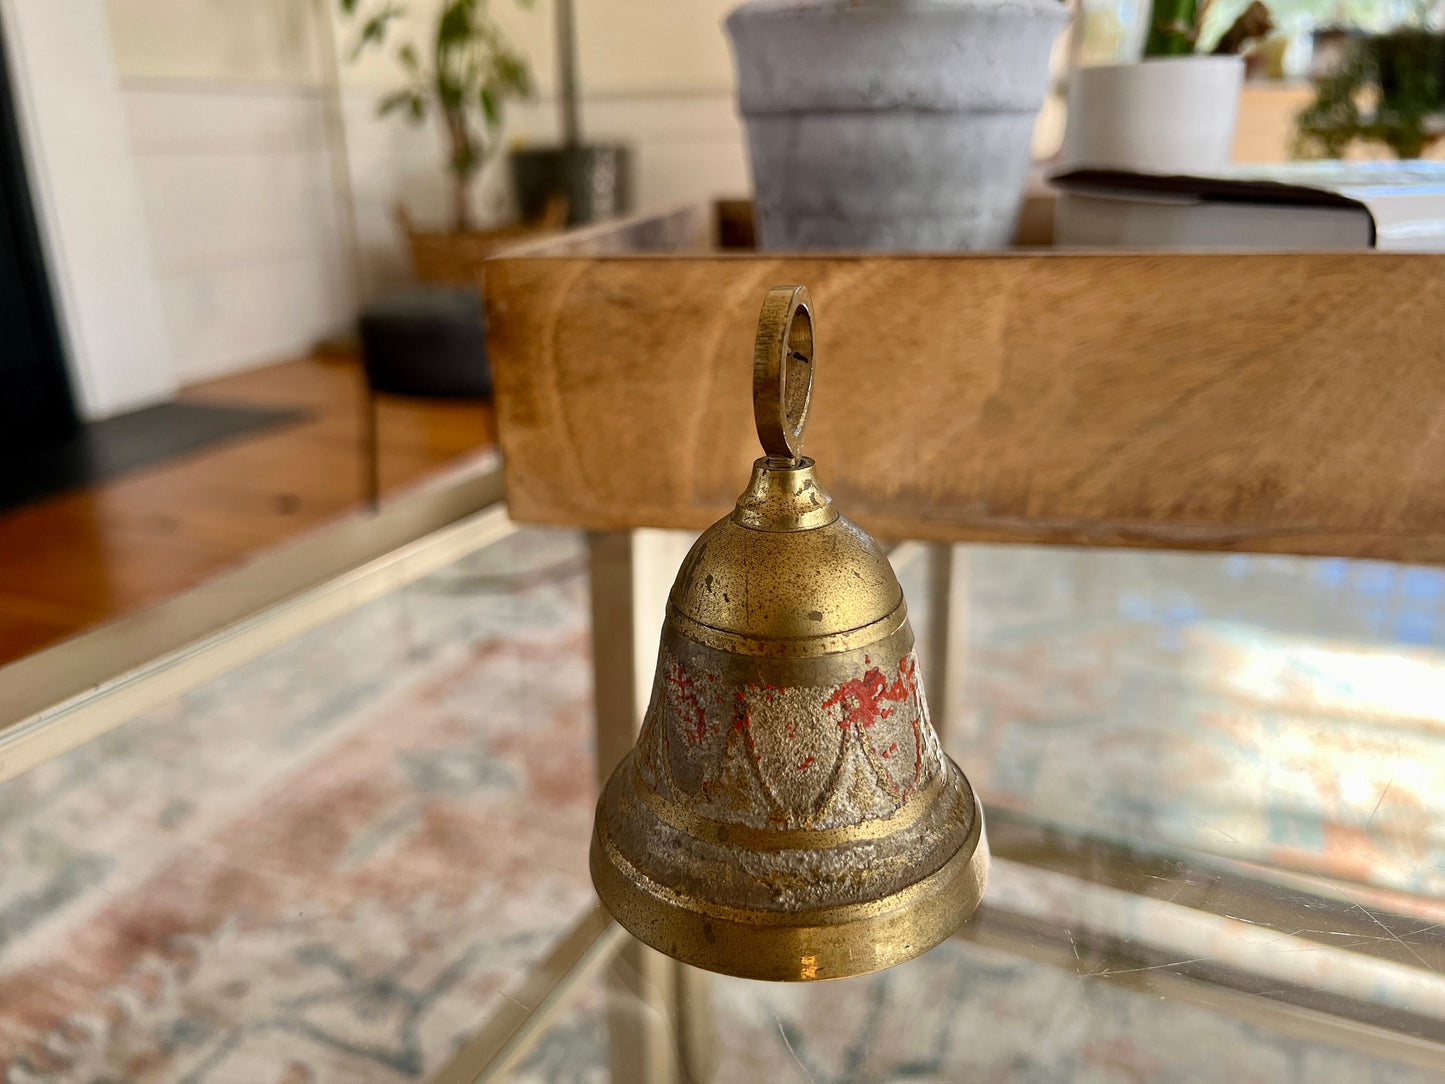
(82, 558)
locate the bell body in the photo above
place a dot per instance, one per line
(787, 812)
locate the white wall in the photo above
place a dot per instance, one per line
(268, 42)
(224, 110)
(248, 253)
(224, 115)
(88, 203)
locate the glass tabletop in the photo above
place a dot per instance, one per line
(1213, 787)
(1187, 762)
(988, 1005)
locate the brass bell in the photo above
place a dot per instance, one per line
(787, 812)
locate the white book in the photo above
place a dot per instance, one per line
(1294, 206)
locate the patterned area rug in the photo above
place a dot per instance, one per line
(323, 867)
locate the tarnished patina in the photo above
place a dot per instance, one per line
(787, 812)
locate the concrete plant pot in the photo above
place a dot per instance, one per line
(891, 124)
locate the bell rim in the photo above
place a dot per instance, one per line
(796, 946)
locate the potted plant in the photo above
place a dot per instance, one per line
(892, 124)
(1174, 110)
(462, 79)
(1402, 73)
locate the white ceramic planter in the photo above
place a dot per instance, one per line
(891, 124)
(1161, 115)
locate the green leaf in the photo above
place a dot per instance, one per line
(491, 107)
(455, 24)
(465, 159)
(373, 31)
(348, 7)
(394, 101)
(409, 60)
(449, 92)
(514, 74)
(1173, 28)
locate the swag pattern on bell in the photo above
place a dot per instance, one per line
(791, 758)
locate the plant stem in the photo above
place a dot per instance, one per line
(567, 73)
(461, 204)
(1172, 28)
(461, 168)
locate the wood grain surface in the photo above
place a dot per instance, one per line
(1261, 402)
(101, 553)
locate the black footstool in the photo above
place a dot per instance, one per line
(426, 341)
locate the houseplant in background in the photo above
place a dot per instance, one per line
(462, 79)
(1173, 111)
(1401, 74)
(893, 124)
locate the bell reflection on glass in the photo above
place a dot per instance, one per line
(787, 812)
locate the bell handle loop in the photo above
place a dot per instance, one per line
(783, 372)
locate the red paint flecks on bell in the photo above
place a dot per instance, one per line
(806, 763)
(689, 704)
(863, 699)
(742, 713)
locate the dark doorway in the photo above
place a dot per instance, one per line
(36, 407)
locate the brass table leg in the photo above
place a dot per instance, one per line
(948, 610)
(631, 574)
